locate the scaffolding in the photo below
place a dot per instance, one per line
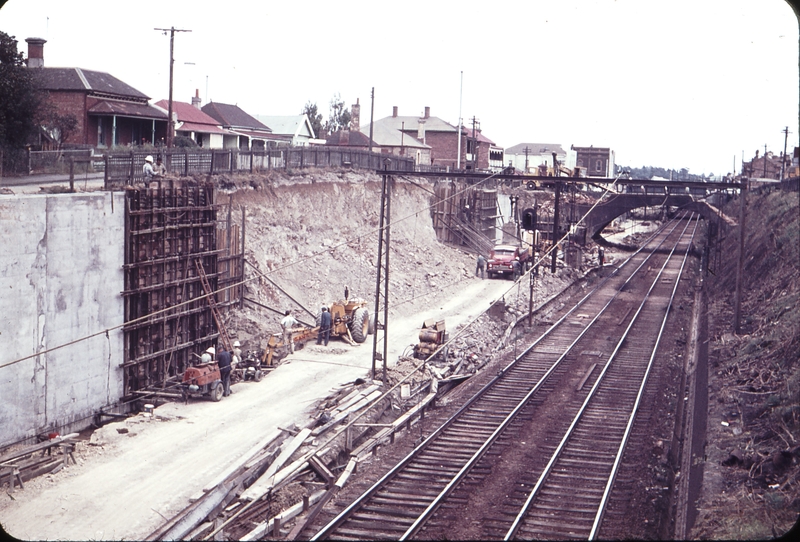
(168, 232)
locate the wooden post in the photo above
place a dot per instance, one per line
(186, 163)
(241, 264)
(555, 228)
(132, 177)
(231, 164)
(105, 170)
(740, 264)
(212, 163)
(71, 174)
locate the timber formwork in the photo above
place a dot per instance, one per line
(465, 215)
(168, 321)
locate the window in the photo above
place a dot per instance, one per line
(598, 166)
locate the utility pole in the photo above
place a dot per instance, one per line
(170, 125)
(383, 268)
(460, 100)
(476, 124)
(765, 160)
(527, 151)
(554, 246)
(783, 157)
(371, 115)
(737, 311)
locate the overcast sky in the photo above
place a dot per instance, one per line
(684, 83)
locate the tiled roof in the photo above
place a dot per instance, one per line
(127, 109)
(346, 138)
(84, 80)
(232, 116)
(188, 113)
(202, 128)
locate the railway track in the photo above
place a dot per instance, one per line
(581, 379)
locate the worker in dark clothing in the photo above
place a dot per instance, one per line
(517, 269)
(325, 321)
(480, 269)
(224, 362)
(601, 256)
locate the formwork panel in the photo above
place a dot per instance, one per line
(167, 317)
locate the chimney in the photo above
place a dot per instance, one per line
(394, 111)
(196, 99)
(427, 112)
(421, 130)
(36, 52)
(355, 116)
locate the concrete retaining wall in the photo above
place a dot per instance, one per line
(61, 280)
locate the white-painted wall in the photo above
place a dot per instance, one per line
(61, 280)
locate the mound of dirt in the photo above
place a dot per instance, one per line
(751, 487)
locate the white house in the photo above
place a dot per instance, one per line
(293, 130)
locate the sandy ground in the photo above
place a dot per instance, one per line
(124, 488)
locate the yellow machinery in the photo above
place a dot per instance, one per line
(431, 337)
(350, 321)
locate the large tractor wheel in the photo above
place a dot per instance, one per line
(217, 391)
(359, 327)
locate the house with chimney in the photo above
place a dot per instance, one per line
(598, 161)
(108, 111)
(294, 130)
(253, 134)
(203, 129)
(434, 142)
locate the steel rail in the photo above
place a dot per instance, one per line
(512, 531)
(356, 505)
(411, 531)
(629, 427)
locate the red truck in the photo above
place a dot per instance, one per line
(501, 257)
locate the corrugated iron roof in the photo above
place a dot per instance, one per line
(202, 128)
(536, 148)
(127, 109)
(84, 80)
(232, 116)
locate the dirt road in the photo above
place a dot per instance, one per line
(126, 485)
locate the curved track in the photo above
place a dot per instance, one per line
(569, 471)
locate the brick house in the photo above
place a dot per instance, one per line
(108, 111)
(765, 166)
(598, 161)
(440, 137)
(203, 129)
(253, 134)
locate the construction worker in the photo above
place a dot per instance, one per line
(601, 256)
(287, 324)
(480, 270)
(208, 355)
(325, 321)
(237, 354)
(148, 170)
(160, 169)
(224, 361)
(517, 268)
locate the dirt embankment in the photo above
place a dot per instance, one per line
(751, 487)
(316, 232)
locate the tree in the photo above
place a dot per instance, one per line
(19, 98)
(339, 118)
(314, 117)
(59, 127)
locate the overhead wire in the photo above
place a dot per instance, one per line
(252, 279)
